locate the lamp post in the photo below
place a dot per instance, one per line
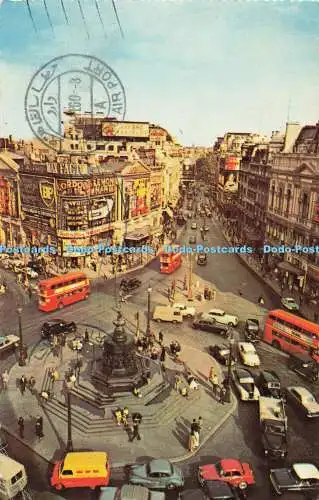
(69, 445)
(190, 291)
(228, 380)
(22, 356)
(148, 328)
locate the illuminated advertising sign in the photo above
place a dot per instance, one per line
(136, 198)
(232, 163)
(125, 129)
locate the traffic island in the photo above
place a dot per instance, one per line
(166, 414)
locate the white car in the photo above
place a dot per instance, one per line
(188, 312)
(248, 354)
(32, 273)
(245, 385)
(224, 318)
(304, 399)
(8, 342)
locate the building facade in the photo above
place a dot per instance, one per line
(11, 232)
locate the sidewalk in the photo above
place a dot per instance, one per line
(164, 429)
(306, 310)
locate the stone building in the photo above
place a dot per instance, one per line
(293, 210)
(11, 233)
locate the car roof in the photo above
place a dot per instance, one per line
(306, 471)
(218, 488)
(289, 298)
(55, 320)
(301, 390)
(217, 311)
(241, 372)
(269, 375)
(80, 459)
(231, 464)
(160, 465)
(248, 346)
(193, 495)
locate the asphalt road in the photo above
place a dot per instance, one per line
(240, 436)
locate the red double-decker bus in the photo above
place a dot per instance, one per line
(60, 291)
(170, 261)
(291, 334)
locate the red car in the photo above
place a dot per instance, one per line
(230, 470)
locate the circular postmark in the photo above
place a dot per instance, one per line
(67, 85)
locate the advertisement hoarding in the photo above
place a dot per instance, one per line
(125, 129)
(232, 163)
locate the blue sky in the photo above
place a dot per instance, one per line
(198, 68)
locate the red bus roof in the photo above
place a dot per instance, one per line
(296, 320)
(58, 279)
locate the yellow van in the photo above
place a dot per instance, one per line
(13, 478)
(167, 313)
(81, 469)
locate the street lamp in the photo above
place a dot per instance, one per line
(148, 328)
(69, 445)
(22, 353)
(228, 379)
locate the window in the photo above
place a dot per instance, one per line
(16, 478)
(67, 473)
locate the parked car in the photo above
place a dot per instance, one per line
(303, 399)
(194, 225)
(269, 385)
(167, 313)
(130, 284)
(202, 259)
(192, 495)
(209, 324)
(301, 477)
(252, 330)
(192, 239)
(56, 327)
(8, 342)
(222, 317)
(157, 474)
(248, 354)
(304, 365)
(245, 385)
(229, 470)
(220, 490)
(221, 353)
(289, 303)
(129, 492)
(187, 311)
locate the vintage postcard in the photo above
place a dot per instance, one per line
(159, 249)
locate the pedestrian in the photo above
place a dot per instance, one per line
(194, 425)
(118, 416)
(214, 381)
(300, 300)
(137, 417)
(136, 433)
(199, 424)
(261, 301)
(55, 377)
(45, 396)
(39, 427)
(5, 380)
(192, 441)
(160, 338)
(23, 384)
(86, 336)
(21, 427)
(223, 395)
(163, 355)
(31, 384)
(177, 382)
(315, 317)
(137, 392)
(30, 292)
(125, 416)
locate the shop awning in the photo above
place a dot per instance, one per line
(138, 235)
(286, 266)
(169, 212)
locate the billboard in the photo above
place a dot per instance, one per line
(38, 192)
(232, 163)
(125, 129)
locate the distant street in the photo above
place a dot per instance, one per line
(240, 436)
